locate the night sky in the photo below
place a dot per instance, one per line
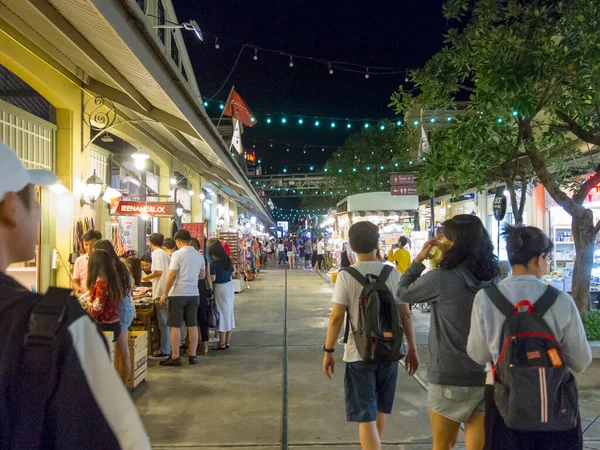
(402, 34)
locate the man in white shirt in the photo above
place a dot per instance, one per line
(160, 268)
(80, 269)
(369, 388)
(320, 255)
(186, 267)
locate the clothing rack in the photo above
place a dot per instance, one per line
(233, 239)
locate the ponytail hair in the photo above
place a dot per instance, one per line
(525, 243)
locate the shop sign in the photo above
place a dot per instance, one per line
(499, 206)
(157, 209)
(403, 190)
(250, 156)
(403, 179)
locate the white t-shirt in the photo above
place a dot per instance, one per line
(280, 248)
(347, 291)
(320, 248)
(160, 261)
(188, 262)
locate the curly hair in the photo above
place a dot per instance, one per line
(472, 247)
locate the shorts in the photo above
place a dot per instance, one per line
(126, 313)
(115, 327)
(308, 257)
(183, 309)
(456, 403)
(290, 254)
(369, 388)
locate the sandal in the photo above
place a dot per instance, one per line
(221, 347)
(227, 346)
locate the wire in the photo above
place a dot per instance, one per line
(230, 73)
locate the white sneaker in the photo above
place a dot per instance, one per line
(215, 339)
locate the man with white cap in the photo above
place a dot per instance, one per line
(57, 384)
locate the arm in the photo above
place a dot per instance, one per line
(153, 275)
(76, 285)
(336, 319)
(97, 301)
(202, 274)
(414, 288)
(477, 345)
(171, 277)
(412, 359)
(575, 345)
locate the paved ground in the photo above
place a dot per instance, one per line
(233, 399)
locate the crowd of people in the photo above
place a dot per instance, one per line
(470, 303)
(299, 253)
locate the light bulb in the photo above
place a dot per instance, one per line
(288, 149)
(322, 149)
(432, 119)
(300, 121)
(382, 127)
(330, 69)
(268, 120)
(221, 106)
(217, 46)
(348, 125)
(366, 125)
(367, 74)
(317, 123)
(173, 181)
(449, 119)
(191, 192)
(399, 123)
(206, 104)
(415, 123)
(283, 120)
(500, 120)
(291, 61)
(332, 125)
(255, 57)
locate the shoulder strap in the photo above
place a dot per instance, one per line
(38, 367)
(499, 300)
(385, 273)
(356, 275)
(347, 330)
(545, 302)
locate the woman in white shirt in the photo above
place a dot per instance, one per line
(529, 254)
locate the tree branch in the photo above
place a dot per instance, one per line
(523, 199)
(586, 187)
(589, 136)
(544, 175)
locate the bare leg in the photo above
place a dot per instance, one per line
(445, 431)
(222, 337)
(381, 420)
(193, 336)
(175, 342)
(122, 358)
(228, 337)
(369, 436)
(474, 432)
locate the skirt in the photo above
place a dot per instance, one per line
(223, 294)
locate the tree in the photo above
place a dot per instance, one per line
(366, 160)
(535, 64)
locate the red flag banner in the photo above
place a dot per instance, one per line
(236, 107)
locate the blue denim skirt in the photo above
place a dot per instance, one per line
(126, 313)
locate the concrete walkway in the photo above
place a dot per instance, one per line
(234, 399)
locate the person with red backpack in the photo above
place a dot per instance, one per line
(533, 337)
(375, 325)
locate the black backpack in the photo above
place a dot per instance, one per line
(533, 388)
(378, 333)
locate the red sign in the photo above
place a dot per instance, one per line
(402, 179)
(236, 107)
(157, 209)
(250, 156)
(403, 190)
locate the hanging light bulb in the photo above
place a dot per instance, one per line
(322, 149)
(291, 61)
(269, 120)
(300, 121)
(217, 46)
(330, 69)
(366, 125)
(288, 149)
(255, 54)
(304, 151)
(271, 145)
(206, 104)
(367, 74)
(317, 123)
(332, 125)
(348, 125)
(406, 79)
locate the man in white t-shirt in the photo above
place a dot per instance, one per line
(320, 259)
(186, 268)
(80, 269)
(158, 276)
(369, 388)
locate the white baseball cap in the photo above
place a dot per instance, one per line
(13, 175)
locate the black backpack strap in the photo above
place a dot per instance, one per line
(385, 273)
(38, 367)
(347, 330)
(499, 300)
(545, 302)
(355, 274)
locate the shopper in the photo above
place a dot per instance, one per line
(105, 293)
(146, 261)
(160, 269)
(455, 382)
(529, 250)
(221, 269)
(400, 257)
(292, 254)
(369, 387)
(320, 255)
(81, 263)
(51, 404)
(307, 254)
(169, 246)
(126, 309)
(205, 290)
(186, 268)
(134, 264)
(280, 252)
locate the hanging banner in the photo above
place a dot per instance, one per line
(155, 209)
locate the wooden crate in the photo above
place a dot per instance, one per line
(109, 336)
(138, 377)
(138, 354)
(138, 339)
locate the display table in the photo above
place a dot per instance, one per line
(146, 321)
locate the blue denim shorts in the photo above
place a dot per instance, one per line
(126, 313)
(369, 388)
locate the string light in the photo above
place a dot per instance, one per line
(283, 120)
(367, 74)
(291, 61)
(300, 121)
(415, 123)
(515, 113)
(332, 125)
(217, 46)
(330, 69)
(348, 125)
(317, 123)
(255, 57)
(205, 104)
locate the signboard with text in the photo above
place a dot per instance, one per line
(403, 184)
(155, 209)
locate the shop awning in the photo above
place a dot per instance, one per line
(107, 47)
